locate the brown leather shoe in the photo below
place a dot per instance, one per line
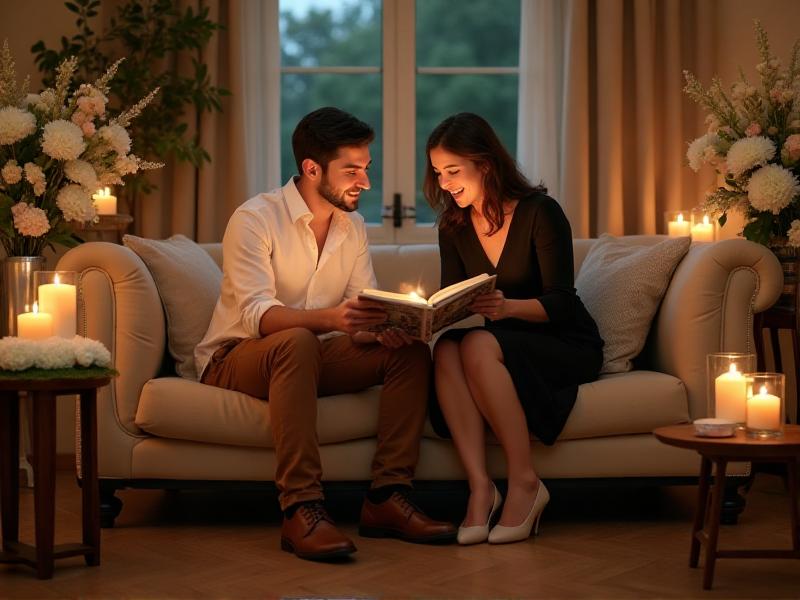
(312, 534)
(398, 517)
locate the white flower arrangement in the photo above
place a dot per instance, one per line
(753, 141)
(18, 354)
(56, 149)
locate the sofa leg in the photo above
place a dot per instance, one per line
(733, 502)
(110, 505)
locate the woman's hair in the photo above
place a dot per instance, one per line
(321, 133)
(470, 136)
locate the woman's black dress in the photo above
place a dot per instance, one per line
(547, 361)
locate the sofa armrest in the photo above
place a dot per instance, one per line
(709, 307)
(120, 307)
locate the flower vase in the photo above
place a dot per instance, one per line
(16, 289)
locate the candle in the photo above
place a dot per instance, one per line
(58, 299)
(764, 411)
(678, 227)
(34, 325)
(703, 232)
(105, 203)
(730, 395)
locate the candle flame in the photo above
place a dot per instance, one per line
(733, 370)
(680, 217)
(56, 279)
(763, 390)
(705, 220)
(35, 307)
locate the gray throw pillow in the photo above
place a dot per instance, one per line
(621, 285)
(188, 281)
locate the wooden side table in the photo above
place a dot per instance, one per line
(721, 451)
(43, 394)
(109, 228)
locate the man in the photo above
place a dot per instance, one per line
(294, 261)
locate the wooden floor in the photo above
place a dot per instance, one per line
(595, 542)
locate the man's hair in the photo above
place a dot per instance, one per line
(321, 133)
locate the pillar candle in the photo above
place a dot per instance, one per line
(59, 300)
(34, 325)
(730, 395)
(703, 232)
(105, 203)
(764, 411)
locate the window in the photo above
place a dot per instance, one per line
(393, 63)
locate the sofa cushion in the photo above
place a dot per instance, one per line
(188, 281)
(622, 285)
(177, 408)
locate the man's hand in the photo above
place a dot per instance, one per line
(355, 315)
(493, 306)
(394, 338)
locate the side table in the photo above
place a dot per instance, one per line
(43, 394)
(721, 451)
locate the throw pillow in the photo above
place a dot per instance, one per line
(188, 281)
(621, 286)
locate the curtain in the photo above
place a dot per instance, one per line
(242, 140)
(603, 118)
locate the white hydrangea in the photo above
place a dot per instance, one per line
(30, 100)
(696, 154)
(30, 220)
(81, 172)
(772, 188)
(47, 100)
(35, 176)
(15, 124)
(18, 354)
(11, 172)
(117, 138)
(63, 140)
(76, 203)
(794, 234)
(748, 153)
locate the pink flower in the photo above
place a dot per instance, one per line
(792, 146)
(88, 129)
(753, 129)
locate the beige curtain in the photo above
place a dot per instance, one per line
(622, 122)
(242, 142)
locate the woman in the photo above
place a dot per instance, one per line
(519, 373)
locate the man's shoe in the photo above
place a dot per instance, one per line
(312, 534)
(398, 517)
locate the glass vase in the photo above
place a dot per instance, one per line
(17, 292)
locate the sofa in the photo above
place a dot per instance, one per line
(156, 429)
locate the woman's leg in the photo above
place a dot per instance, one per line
(493, 391)
(467, 427)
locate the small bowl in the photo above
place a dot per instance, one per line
(711, 427)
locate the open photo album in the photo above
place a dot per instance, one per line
(421, 318)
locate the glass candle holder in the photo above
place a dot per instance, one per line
(766, 406)
(703, 226)
(678, 223)
(727, 384)
(56, 293)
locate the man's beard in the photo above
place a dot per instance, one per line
(340, 201)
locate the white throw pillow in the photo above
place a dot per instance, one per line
(621, 286)
(188, 281)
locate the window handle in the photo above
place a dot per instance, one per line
(397, 212)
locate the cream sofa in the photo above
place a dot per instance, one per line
(159, 430)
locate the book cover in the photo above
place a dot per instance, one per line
(421, 318)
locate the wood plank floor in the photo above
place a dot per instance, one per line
(594, 543)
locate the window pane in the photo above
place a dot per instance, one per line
(478, 33)
(357, 94)
(494, 97)
(330, 33)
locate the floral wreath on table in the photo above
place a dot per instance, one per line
(753, 142)
(18, 354)
(56, 148)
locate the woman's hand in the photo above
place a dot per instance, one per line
(493, 306)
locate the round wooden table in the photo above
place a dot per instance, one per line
(721, 451)
(43, 394)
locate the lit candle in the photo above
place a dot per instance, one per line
(34, 325)
(678, 227)
(730, 395)
(703, 232)
(59, 299)
(105, 203)
(764, 411)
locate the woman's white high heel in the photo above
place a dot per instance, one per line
(479, 533)
(500, 534)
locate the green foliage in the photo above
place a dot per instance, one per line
(50, 374)
(152, 35)
(467, 34)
